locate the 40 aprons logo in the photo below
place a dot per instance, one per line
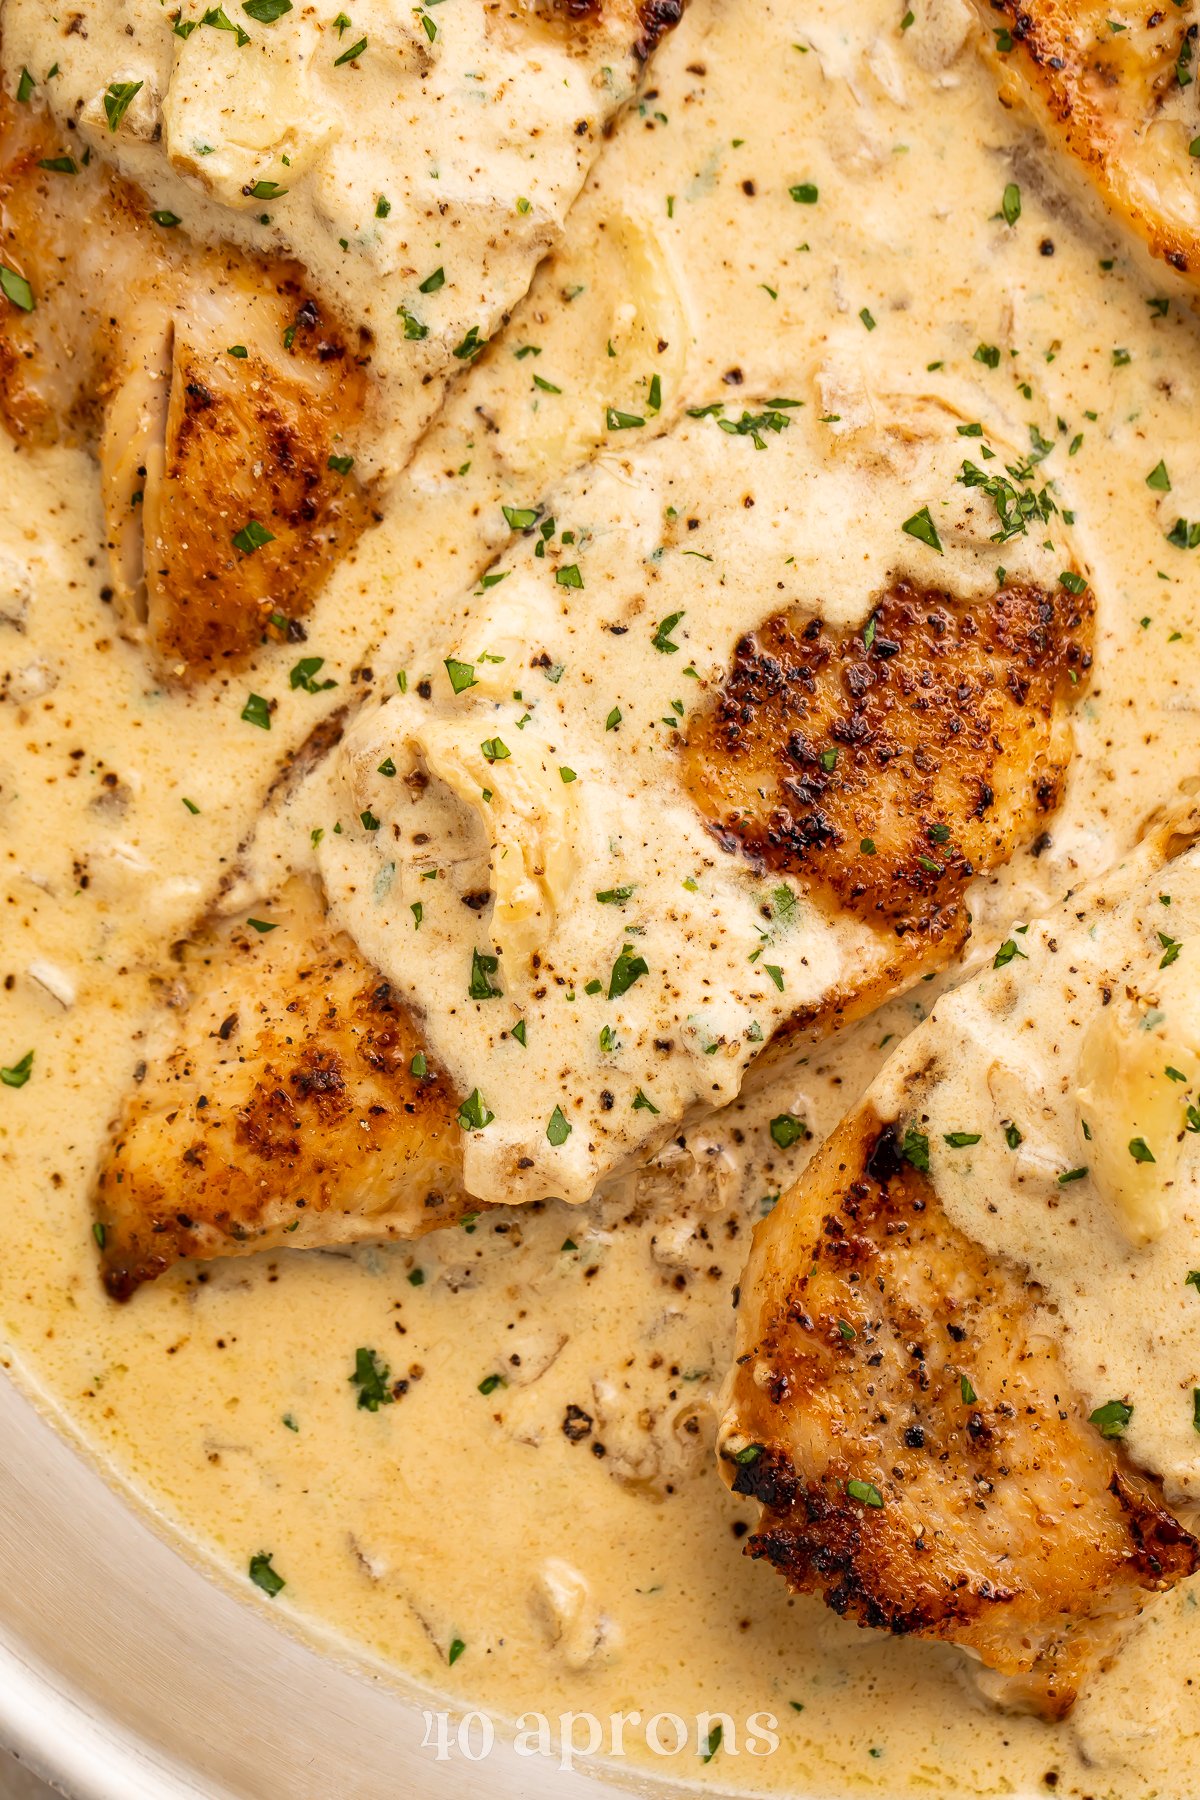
(573, 1736)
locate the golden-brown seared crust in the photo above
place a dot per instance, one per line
(884, 768)
(246, 442)
(647, 21)
(657, 17)
(1115, 86)
(286, 1113)
(129, 350)
(881, 1347)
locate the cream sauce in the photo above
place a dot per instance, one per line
(225, 1401)
(417, 162)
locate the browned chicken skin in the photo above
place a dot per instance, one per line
(298, 1108)
(885, 769)
(1114, 86)
(901, 1409)
(222, 401)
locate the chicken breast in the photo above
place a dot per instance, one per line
(243, 259)
(962, 1389)
(297, 1106)
(884, 769)
(1112, 87)
(550, 837)
(224, 403)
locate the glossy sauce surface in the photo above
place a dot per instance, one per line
(821, 194)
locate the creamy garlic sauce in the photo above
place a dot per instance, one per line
(225, 1401)
(417, 163)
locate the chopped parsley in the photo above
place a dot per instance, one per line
(914, 1148)
(370, 1377)
(264, 1576)
(1005, 954)
(257, 711)
(482, 967)
(864, 1491)
(118, 96)
(787, 1129)
(471, 346)
(1140, 1150)
(19, 1074)
(712, 1739)
(304, 675)
(252, 537)
(961, 1140)
(473, 1114)
(627, 969)
(752, 425)
(1183, 535)
(922, 527)
(16, 288)
(462, 674)
(558, 1130)
(662, 634)
(1111, 1419)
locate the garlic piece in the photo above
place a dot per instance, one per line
(1138, 1071)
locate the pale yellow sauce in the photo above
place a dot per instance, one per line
(440, 1516)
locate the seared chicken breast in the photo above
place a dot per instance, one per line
(225, 404)
(1114, 88)
(612, 840)
(923, 1459)
(297, 1107)
(198, 288)
(965, 1352)
(884, 769)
